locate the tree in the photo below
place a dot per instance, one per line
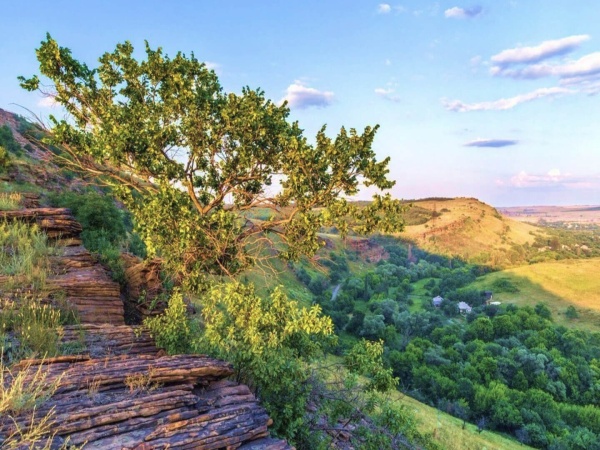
(191, 162)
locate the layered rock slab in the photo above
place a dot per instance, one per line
(143, 402)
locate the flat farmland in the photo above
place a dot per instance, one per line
(534, 214)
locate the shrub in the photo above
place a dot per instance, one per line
(4, 159)
(8, 141)
(172, 330)
(571, 312)
(107, 229)
(267, 340)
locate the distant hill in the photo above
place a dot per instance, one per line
(469, 229)
(576, 214)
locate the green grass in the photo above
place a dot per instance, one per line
(419, 295)
(10, 201)
(448, 432)
(558, 284)
(24, 256)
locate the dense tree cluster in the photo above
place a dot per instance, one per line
(505, 368)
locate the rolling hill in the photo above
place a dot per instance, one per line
(469, 229)
(558, 284)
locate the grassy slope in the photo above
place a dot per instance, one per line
(558, 284)
(468, 228)
(448, 431)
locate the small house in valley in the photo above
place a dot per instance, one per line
(437, 301)
(464, 308)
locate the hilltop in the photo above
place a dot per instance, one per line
(469, 229)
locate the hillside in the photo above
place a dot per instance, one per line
(470, 229)
(558, 284)
(29, 179)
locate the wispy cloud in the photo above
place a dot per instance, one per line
(552, 179)
(494, 143)
(384, 8)
(212, 65)
(47, 102)
(388, 94)
(300, 96)
(505, 103)
(463, 13)
(582, 67)
(545, 50)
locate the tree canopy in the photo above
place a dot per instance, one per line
(191, 161)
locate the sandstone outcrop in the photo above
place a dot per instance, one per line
(145, 402)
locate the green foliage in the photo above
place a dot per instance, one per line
(172, 330)
(8, 142)
(268, 340)
(504, 285)
(571, 312)
(10, 201)
(106, 229)
(98, 215)
(366, 358)
(4, 159)
(132, 121)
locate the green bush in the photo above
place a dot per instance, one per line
(4, 159)
(172, 330)
(7, 140)
(107, 229)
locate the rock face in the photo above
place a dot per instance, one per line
(57, 223)
(367, 249)
(86, 285)
(144, 285)
(116, 391)
(145, 402)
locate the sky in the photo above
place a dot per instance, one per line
(490, 99)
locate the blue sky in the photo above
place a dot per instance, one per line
(491, 99)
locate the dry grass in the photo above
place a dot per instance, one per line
(24, 256)
(10, 201)
(469, 229)
(21, 393)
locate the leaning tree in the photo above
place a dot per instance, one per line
(192, 162)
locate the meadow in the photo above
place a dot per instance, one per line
(558, 284)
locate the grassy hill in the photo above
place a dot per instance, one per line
(448, 431)
(469, 229)
(558, 284)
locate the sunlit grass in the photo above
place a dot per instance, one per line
(10, 201)
(24, 256)
(558, 284)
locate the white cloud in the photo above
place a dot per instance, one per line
(584, 66)
(545, 50)
(384, 8)
(554, 178)
(47, 102)
(300, 96)
(387, 94)
(505, 103)
(462, 13)
(388, 62)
